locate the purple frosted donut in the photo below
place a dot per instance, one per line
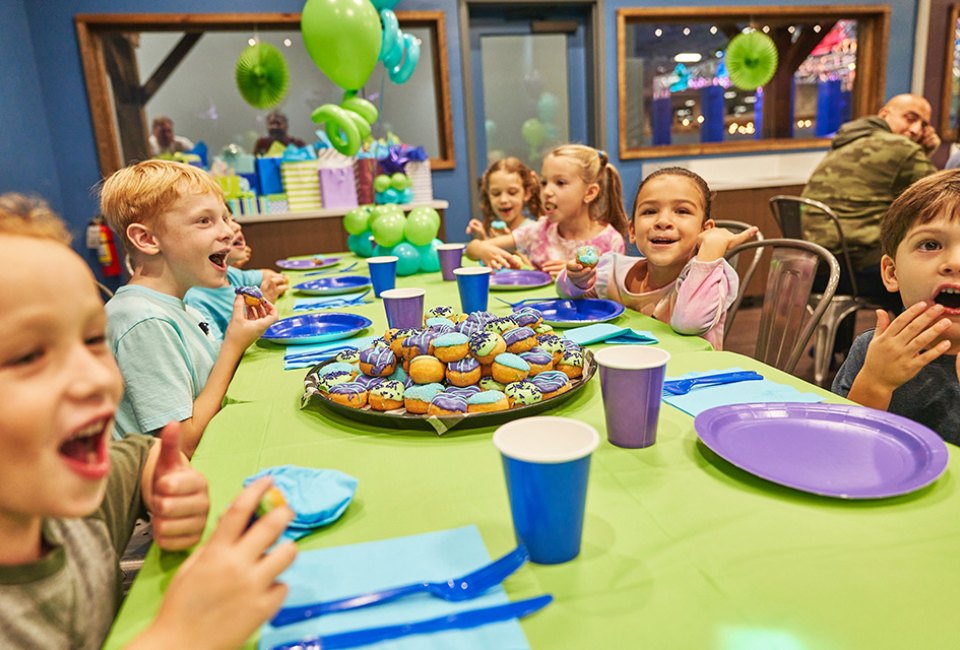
(550, 381)
(447, 404)
(418, 344)
(378, 362)
(469, 327)
(537, 357)
(526, 317)
(252, 296)
(467, 364)
(462, 391)
(518, 334)
(369, 382)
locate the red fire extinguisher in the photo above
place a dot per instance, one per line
(100, 238)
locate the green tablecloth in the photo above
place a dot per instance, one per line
(680, 548)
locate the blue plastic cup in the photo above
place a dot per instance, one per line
(383, 273)
(473, 282)
(546, 462)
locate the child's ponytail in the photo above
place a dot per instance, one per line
(608, 206)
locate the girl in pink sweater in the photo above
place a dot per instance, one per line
(682, 278)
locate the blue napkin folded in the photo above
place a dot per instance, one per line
(328, 302)
(344, 571)
(763, 391)
(304, 356)
(607, 333)
(317, 496)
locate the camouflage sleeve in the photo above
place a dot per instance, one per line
(912, 169)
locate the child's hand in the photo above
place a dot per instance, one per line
(227, 587)
(713, 243)
(497, 258)
(580, 275)
(248, 323)
(274, 284)
(553, 267)
(475, 229)
(177, 499)
(900, 348)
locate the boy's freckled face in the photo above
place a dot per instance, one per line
(927, 268)
(195, 237)
(59, 381)
(667, 219)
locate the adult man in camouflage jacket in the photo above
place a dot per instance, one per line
(872, 160)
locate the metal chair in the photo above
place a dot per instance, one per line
(785, 324)
(789, 211)
(737, 227)
(105, 292)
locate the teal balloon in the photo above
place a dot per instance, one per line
(361, 244)
(547, 107)
(491, 128)
(380, 251)
(533, 132)
(408, 258)
(388, 229)
(429, 258)
(343, 39)
(431, 213)
(420, 228)
(384, 4)
(357, 220)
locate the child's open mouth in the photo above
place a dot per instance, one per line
(949, 297)
(220, 260)
(662, 241)
(85, 452)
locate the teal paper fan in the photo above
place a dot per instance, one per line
(751, 60)
(262, 75)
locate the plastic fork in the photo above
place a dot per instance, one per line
(525, 300)
(684, 386)
(465, 587)
(328, 271)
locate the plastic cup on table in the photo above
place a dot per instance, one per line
(631, 382)
(404, 307)
(383, 273)
(451, 255)
(473, 282)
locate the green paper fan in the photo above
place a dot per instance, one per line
(751, 60)
(262, 75)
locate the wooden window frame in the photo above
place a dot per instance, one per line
(873, 23)
(90, 26)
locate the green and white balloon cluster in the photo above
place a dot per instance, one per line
(385, 230)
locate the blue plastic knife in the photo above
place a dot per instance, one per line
(457, 621)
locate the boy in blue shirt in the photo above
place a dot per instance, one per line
(174, 225)
(909, 365)
(71, 496)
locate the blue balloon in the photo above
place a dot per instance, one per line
(409, 258)
(379, 250)
(429, 258)
(405, 195)
(391, 45)
(387, 196)
(384, 4)
(361, 244)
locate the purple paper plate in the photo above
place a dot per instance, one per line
(834, 450)
(308, 264)
(513, 280)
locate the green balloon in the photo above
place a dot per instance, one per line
(429, 258)
(420, 229)
(388, 229)
(408, 258)
(400, 181)
(343, 39)
(430, 212)
(533, 132)
(357, 220)
(381, 183)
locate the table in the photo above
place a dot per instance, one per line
(680, 548)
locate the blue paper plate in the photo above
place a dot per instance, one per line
(308, 264)
(573, 313)
(514, 280)
(333, 286)
(315, 328)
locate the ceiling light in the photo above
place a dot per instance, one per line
(688, 57)
(251, 42)
(658, 32)
(713, 29)
(287, 42)
(686, 31)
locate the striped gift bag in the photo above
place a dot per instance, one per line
(419, 173)
(301, 185)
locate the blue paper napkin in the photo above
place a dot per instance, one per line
(304, 356)
(745, 392)
(317, 496)
(607, 333)
(327, 302)
(359, 568)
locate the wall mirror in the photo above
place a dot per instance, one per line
(142, 66)
(675, 97)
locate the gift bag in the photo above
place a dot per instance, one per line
(301, 185)
(364, 169)
(421, 181)
(268, 175)
(338, 187)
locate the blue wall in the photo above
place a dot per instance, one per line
(38, 51)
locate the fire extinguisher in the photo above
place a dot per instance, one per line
(100, 238)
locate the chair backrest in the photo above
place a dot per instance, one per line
(737, 227)
(783, 334)
(789, 212)
(105, 292)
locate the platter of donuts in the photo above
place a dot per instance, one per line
(458, 370)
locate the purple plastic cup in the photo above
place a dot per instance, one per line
(383, 273)
(631, 381)
(404, 307)
(473, 282)
(450, 257)
(546, 463)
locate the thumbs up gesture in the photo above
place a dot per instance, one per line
(175, 493)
